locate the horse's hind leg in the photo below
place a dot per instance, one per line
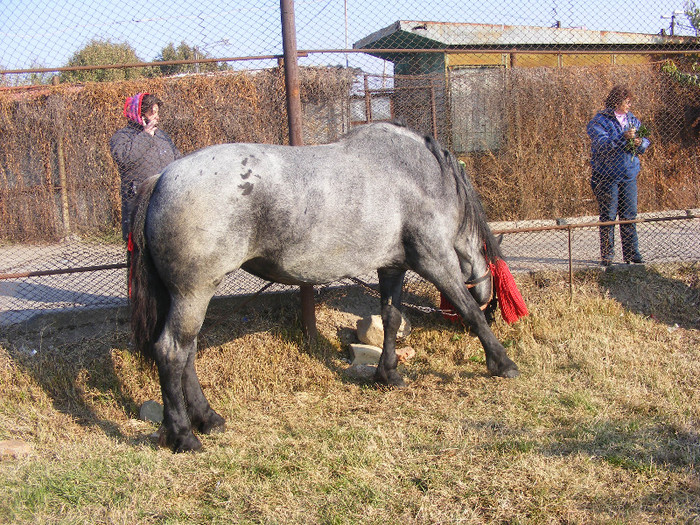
(171, 359)
(202, 416)
(174, 349)
(390, 288)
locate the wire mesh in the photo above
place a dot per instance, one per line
(509, 87)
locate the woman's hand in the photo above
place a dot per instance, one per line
(150, 126)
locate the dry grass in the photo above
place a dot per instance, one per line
(602, 426)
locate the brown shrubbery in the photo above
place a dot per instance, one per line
(541, 172)
(78, 121)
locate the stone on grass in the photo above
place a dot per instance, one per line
(369, 354)
(151, 411)
(364, 372)
(371, 331)
(405, 353)
(365, 354)
(15, 449)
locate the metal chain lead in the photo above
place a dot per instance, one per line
(423, 309)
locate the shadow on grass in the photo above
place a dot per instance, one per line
(231, 318)
(646, 291)
(69, 356)
(636, 444)
(280, 313)
(643, 449)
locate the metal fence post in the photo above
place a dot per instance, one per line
(63, 180)
(291, 79)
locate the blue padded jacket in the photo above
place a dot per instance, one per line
(610, 156)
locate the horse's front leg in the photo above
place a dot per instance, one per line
(390, 287)
(497, 361)
(171, 360)
(202, 417)
(441, 267)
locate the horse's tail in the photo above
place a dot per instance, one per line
(150, 299)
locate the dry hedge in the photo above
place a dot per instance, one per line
(542, 172)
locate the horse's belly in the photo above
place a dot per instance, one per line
(270, 271)
(322, 269)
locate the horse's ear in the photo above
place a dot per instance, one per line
(499, 239)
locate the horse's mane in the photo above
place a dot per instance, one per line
(474, 221)
(474, 218)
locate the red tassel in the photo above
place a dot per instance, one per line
(512, 303)
(130, 249)
(448, 311)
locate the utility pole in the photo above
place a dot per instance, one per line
(673, 16)
(291, 78)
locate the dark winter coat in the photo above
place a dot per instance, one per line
(139, 156)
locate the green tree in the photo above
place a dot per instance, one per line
(101, 53)
(693, 13)
(186, 52)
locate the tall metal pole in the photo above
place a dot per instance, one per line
(63, 179)
(345, 5)
(291, 79)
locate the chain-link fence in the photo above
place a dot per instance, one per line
(519, 91)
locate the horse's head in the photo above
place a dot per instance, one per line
(476, 245)
(479, 281)
(477, 275)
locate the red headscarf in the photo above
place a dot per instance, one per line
(132, 108)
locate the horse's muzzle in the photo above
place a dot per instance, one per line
(479, 280)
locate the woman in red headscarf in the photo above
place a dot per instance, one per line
(141, 149)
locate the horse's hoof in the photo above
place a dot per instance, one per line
(507, 369)
(185, 442)
(391, 380)
(510, 374)
(188, 443)
(216, 429)
(213, 425)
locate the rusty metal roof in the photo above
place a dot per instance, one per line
(425, 35)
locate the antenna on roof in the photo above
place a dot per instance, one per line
(673, 16)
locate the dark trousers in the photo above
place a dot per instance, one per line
(617, 198)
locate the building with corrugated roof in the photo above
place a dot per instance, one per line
(460, 67)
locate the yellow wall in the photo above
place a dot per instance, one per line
(476, 59)
(543, 59)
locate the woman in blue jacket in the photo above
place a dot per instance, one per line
(615, 150)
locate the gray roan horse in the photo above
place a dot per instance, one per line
(381, 198)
